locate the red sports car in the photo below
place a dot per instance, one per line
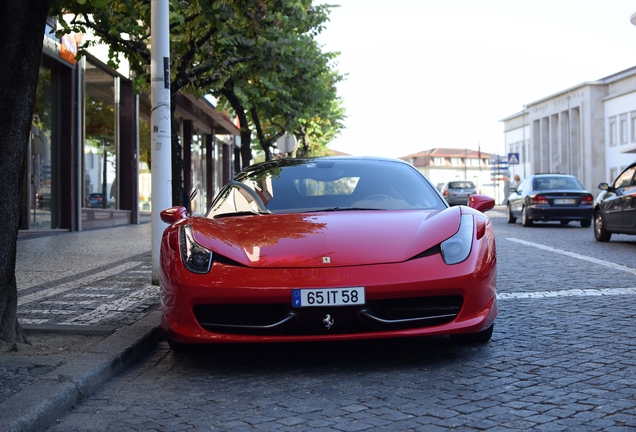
(333, 248)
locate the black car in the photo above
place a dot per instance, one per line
(615, 207)
(550, 197)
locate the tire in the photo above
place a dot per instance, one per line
(511, 218)
(473, 338)
(565, 222)
(525, 220)
(586, 223)
(600, 233)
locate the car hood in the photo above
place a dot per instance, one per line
(339, 238)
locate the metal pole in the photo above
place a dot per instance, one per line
(161, 187)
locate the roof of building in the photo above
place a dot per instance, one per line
(448, 152)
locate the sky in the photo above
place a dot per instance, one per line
(422, 74)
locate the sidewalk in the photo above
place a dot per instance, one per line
(87, 306)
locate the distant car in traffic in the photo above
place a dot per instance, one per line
(456, 192)
(615, 207)
(550, 197)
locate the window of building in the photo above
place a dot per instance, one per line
(438, 161)
(632, 116)
(612, 131)
(623, 124)
(613, 173)
(456, 161)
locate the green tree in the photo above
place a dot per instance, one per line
(290, 82)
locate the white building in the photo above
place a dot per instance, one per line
(441, 165)
(588, 130)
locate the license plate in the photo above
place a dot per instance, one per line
(565, 201)
(328, 297)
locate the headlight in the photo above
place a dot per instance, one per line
(457, 248)
(195, 257)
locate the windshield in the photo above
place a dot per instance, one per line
(327, 184)
(557, 182)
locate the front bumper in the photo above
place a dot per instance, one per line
(414, 298)
(549, 213)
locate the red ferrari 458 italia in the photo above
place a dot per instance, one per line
(334, 248)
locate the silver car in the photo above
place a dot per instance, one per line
(456, 192)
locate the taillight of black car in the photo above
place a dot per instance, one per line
(540, 200)
(587, 200)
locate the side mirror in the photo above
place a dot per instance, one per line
(173, 214)
(603, 186)
(482, 203)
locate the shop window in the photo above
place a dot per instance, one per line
(100, 177)
(42, 194)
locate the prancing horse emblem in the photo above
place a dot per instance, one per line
(328, 321)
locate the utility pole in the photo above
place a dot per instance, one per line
(161, 186)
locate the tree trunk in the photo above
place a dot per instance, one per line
(246, 134)
(265, 144)
(22, 23)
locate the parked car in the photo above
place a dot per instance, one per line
(615, 206)
(43, 197)
(456, 192)
(334, 248)
(550, 197)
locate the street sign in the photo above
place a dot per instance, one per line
(513, 158)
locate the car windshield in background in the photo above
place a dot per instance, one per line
(557, 183)
(304, 185)
(461, 185)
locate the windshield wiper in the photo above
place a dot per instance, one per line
(240, 213)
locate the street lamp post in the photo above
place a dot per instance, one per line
(161, 186)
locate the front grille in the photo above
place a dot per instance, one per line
(282, 319)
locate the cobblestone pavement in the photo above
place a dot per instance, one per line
(82, 283)
(562, 357)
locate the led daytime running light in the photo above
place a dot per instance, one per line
(195, 257)
(457, 248)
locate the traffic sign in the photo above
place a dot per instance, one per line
(513, 158)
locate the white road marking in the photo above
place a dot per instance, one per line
(109, 310)
(32, 321)
(567, 293)
(76, 283)
(69, 303)
(609, 264)
(48, 312)
(89, 295)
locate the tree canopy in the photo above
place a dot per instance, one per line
(260, 57)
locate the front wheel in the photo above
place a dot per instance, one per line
(525, 220)
(511, 218)
(471, 338)
(599, 229)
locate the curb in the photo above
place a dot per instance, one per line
(52, 396)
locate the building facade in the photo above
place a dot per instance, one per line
(89, 154)
(587, 130)
(441, 165)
